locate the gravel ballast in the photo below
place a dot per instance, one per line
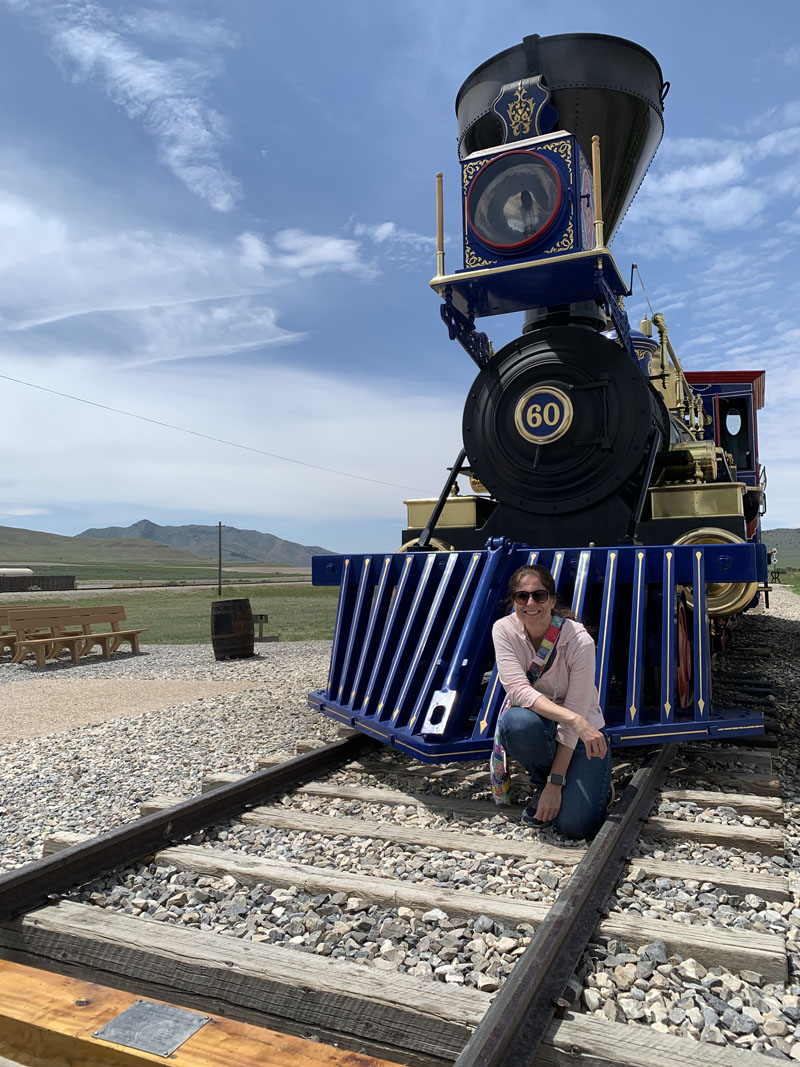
(95, 776)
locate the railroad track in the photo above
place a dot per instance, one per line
(366, 902)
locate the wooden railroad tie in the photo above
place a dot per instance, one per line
(330, 1000)
(751, 838)
(334, 1000)
(709, 945)
(48, 1018)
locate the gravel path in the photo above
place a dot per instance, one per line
(170, 663)
(31, 710)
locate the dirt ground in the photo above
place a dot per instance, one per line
(35, 709)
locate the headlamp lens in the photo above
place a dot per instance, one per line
(514, 200)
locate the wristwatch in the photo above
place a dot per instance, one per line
(556, 779)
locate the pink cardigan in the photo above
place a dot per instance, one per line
(568, 680)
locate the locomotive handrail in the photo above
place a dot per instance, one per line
(598, 194)
(439, 226)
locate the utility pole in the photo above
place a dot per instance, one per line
(219, 556)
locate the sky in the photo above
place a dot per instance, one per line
(220, 216)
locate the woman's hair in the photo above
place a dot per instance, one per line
(536, 570)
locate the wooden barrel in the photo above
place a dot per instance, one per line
(232, 629)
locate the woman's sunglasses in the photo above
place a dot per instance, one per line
(538, 595)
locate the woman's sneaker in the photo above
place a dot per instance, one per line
(529, 814)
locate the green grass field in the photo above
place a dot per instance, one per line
(167, 573)
(183, 616)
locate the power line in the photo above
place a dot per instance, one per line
(208, 437)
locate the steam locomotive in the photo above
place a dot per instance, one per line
(587, 447)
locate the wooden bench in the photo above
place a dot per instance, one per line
(71, 630)
(8, 637)
(261, 617)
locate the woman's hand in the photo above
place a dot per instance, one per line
(549, 803)
(593, 740)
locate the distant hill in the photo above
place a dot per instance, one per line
(31, 547)
(787, 543)
(238, 546)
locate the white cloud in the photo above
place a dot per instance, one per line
(675, 238)
(384, 231)
(167, 292)
(685, 206)
(254, 251)
(782, 143)
(400, 247)
(742, 350)
(309, 417)
(212, 328)
(172, 27)
(699, 176)
(166, 94)
(16, 510)
(308, 254)
(778, 117)
(701, 187)
(390, 234)
(26, 232)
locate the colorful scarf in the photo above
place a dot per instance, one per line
(498, 761)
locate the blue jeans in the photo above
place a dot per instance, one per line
(531, 740)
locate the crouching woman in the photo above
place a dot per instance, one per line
(551, 722)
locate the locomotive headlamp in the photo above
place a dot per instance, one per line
(525, 204)
(514, 199)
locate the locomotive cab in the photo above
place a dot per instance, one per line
(732, 400)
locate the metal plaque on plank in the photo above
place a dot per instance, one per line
(156, 1028)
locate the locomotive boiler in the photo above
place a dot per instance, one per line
(585, 444)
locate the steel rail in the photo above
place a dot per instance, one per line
(516, 1022)
(34, 884)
